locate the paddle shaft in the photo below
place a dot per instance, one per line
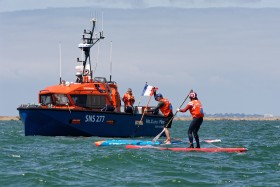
(179, 107)
(140, 122)
(146, 108)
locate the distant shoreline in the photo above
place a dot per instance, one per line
(8, 118)
(231, 118)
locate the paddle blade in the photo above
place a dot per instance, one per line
(138, 122)
(157, 137)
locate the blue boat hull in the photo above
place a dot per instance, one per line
(63, 122)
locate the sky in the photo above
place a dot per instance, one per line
(225, 50)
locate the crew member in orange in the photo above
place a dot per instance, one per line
(165, 107)
(196, 111)
(128, 100)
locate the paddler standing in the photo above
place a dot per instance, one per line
(165, 107)
(196, 111)
(128, 100)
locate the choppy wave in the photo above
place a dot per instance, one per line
(75, 161)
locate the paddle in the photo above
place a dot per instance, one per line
(157, 137)
(141, 120)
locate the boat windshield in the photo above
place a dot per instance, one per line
(60, 99)
(89, 101)
(46, 99)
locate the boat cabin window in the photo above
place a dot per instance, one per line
(60, 99)
(100, 79)
(89, 101)
(46, 99)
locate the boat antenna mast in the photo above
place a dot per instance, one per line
(88, 40)
(60, 78)
(111, 50)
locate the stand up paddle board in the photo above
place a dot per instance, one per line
(183, 149)
(130, 142)
(143, 142)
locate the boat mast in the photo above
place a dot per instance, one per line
(111, 50)
(87, 42)
(60, 79)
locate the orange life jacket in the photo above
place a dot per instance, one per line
(196, 110)
(166, 109)
(128, 99)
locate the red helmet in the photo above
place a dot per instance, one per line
(193, 95)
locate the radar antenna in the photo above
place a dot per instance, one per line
(88, 40)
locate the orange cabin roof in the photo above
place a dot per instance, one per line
(76, 88)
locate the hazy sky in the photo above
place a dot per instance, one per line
(227, 51)
(12, 5)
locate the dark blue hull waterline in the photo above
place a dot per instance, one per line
(62, 122)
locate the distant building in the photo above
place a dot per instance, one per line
(268, 115)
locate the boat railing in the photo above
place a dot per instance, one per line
(33, 105)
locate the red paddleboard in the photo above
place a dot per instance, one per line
(183, 149)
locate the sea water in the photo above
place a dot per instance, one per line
(76, 161)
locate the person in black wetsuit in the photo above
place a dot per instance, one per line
(196, 111)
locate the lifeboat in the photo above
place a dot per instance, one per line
(88, 106)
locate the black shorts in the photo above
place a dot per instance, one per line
(168, 121)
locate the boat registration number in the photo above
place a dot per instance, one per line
(94, 119)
